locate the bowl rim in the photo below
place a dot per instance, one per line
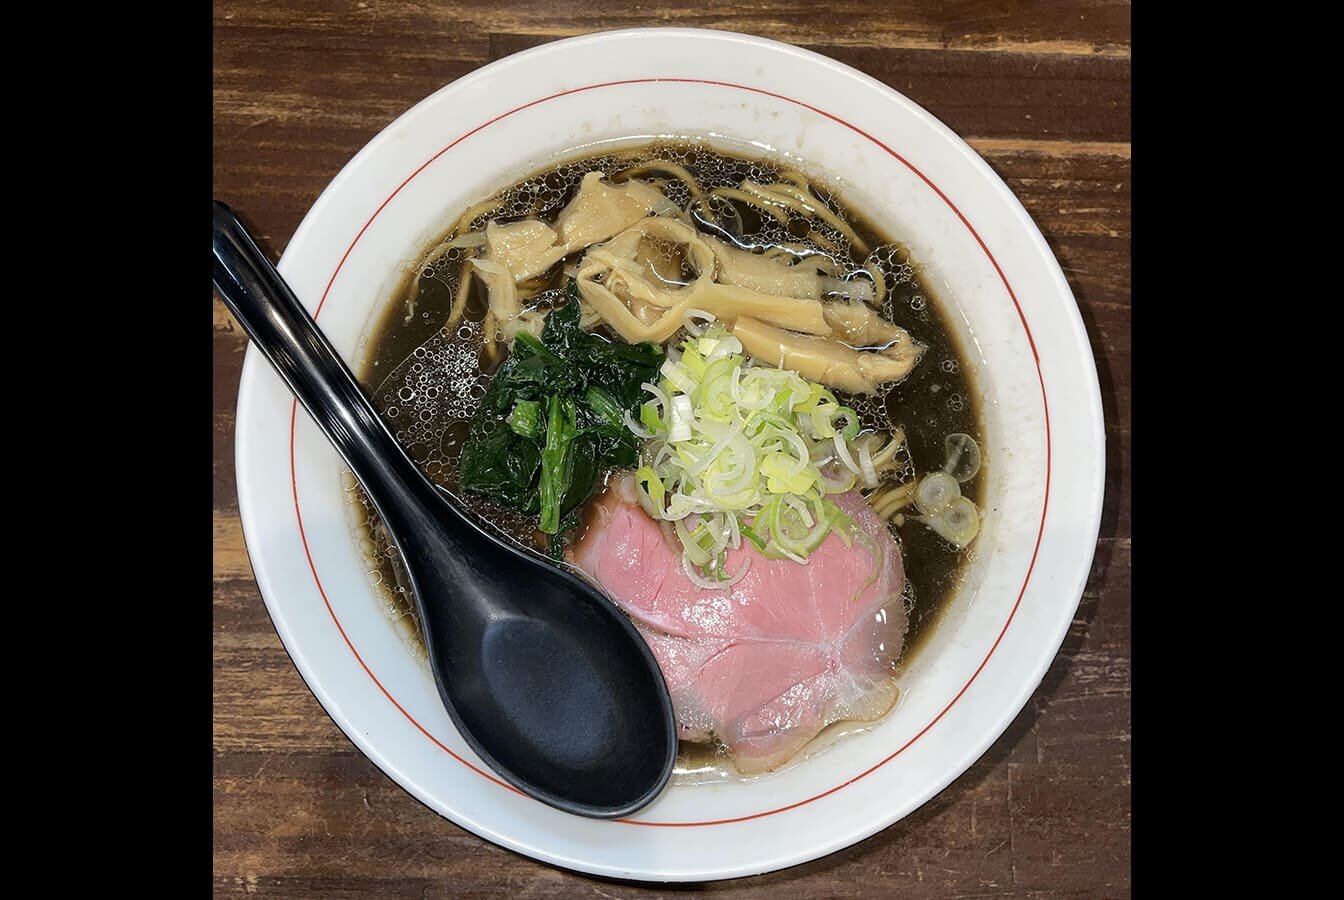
(1075, 325)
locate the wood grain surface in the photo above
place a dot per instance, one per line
(1040, 89)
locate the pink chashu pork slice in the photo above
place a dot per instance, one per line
(766, 664)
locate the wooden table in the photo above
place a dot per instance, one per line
(1040, 89)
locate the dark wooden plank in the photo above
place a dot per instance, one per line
(1070, 829)
(1040, 89)
(1097, 27)
(993, 24)
(270, 809)
(229, 345)
(230, 556)
(261, 701)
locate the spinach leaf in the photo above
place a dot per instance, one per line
(554, 416)
(556, 460)
(527, 375)
(525, 420)
(581, 471)
(502, 465)
(604, 406)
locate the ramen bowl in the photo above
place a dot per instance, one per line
(999, 287)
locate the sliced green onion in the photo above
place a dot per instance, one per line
(851, 429)
(963, 457)
(630, 422)
(739, 450)
(689, 317)
(936, 492)
(959, 523)
(693, 362)
(750, 533)
(679, 427)
(866, 465)
(652, 495)
(677, 376)
(694, 550)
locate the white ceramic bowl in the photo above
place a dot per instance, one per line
(1021, 330)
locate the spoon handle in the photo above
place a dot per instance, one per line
(283, 330)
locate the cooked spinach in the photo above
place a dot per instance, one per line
(525, 420)
(554, 416)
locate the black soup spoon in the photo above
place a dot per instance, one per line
(543, 676)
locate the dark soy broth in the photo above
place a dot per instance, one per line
(427, 380)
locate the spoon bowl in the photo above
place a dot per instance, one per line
(545, 678)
